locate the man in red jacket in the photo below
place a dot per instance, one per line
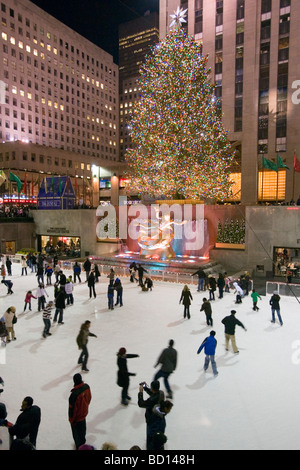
(79, 401)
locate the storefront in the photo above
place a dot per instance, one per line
(287, 260)
(61, 246)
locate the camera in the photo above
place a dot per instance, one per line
(143, 384)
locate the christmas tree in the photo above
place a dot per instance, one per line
(180, 148)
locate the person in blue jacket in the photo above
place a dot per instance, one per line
(209, 345)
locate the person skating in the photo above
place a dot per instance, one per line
(123, 374)
(8, 283)
(47, 318)
(141, 272)
(8, 264)
(91, 284)
(168, 361)
(230, 323)
(76, 272)
(275, 307)
(157, 421)
(110, 295)
(41, 294)
(255, 296)
(87, 267)
(155, 396)
(27, 423)
(209, 345)
(186, 298)
(9, 317)
(27, 300)
(82, 341)
(119, 290)
(60, 305)
(79, 401)
(212, 285)
(206, 308)
(201, 279)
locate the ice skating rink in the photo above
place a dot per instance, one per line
(253, 404)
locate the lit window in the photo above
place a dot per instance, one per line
(14, 90)
(28, 49)
(48, 47)
(12, 40)
(35, 52)
(4, 36)
(21, 45)
(55, 50)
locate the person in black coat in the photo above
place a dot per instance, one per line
(155, 397)
(27, 423)
(60, 305)
(206, 308)
(123, 374)
(186, 298)
(8, 266)
(201, 279)
(230, 323)
(221, 285)
(157, 422)
(212, 285)
(141, 272)
(91, 284)
(275, 307)
(87, 267)
(119, 289)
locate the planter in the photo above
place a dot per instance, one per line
(231, 246)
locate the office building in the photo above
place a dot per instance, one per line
(254, 56)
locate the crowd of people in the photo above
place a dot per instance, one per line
(157, 406)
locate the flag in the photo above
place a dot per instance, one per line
(60, 187)
(37, 181)
(25, 184)
(16, 179)
(268, 164)
(52, 184)
(45, 183)
(296, 164)
(280, 163)
(2, 177)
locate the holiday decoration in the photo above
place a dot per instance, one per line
(179, 146)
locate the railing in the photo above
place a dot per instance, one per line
(283, 288)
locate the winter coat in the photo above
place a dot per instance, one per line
(91, 280)
(209, 345)
(69, 287)
(206, 307)
(200, 273)
(168, 360)
(8, 318)
(255, 296)
(40, 292)
(79, 401)
(77, 268)
(212, 283)
(82, 337)
(186, 297)
(28, 297)
(27, 423)
(60, 299)
(221, 282)
(157, 421)
(87, 265)
(154, 399)
(123, 374)
(274, 302)
(230, 323)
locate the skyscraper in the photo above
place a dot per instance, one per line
(254, 53)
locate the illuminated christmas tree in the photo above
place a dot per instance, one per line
(180, 148)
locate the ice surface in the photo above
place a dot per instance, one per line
(252, 404)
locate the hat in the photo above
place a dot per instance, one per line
(213, 333)
(77, 379)
(233, 312)
(155, 385)
(122, 351)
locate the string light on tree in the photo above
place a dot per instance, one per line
(180, 148)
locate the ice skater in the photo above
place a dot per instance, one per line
(9, 285)
(47, 318)
(255, 296)
(230, 323)
(186, 298)
(28, 298)
(168, 361)
(82, 340)
(206, 308)
(123, 374)
(275, 307)
(209, 345)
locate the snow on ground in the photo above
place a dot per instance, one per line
(252, 404)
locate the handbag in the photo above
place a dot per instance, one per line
(15, 319)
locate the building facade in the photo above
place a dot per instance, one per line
(254, 51)
(136, 37)
(59, 98)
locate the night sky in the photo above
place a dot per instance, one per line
(97, 20)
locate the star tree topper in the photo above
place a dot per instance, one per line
(178, 18)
